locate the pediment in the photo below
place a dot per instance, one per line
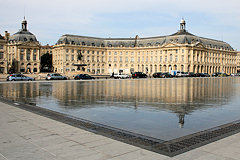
(170, 44)
(199, 45)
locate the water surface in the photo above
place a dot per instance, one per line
(160, 108)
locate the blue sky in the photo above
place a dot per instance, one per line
(49, 19)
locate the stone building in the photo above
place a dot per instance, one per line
(3, 55)
(238, 62)
(23, 51)
(180, 51)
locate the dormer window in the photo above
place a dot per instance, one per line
(25, 39)
(93, 44)
(110, 45)
(73, 42)
(157, 44)
(102, 45)
(83, 43)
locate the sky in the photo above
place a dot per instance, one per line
(50, 19)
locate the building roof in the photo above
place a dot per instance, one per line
(23, 35)
(180, 37)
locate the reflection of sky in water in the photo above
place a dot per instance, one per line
(154, 107)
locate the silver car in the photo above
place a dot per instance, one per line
(55, 76)
(19, 77)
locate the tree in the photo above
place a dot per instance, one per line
(46, 63)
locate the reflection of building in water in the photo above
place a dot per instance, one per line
(180, 96)
(159, 93)
(20, 91)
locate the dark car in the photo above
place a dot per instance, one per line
(139, 75)
(202, 75)
(166, 75)
(191, 74)
(83, 76)
(206, 75)
(19, 77)
(157, 74)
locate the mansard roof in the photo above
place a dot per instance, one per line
(180, 37)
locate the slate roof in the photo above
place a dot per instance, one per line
(180, 37)
(23, 36)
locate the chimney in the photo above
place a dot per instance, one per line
(7, 35)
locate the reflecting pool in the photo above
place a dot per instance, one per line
(161, 108)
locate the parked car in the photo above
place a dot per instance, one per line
(202, 75)
(139, 75)
(182, 74)
(191, 74)
(55, 76)
(19, 77)
(120, 76)
(219, 74)
(166, 75)
(237, 74)
(216, 74)
(206, 75)
(83, 76)
(157, 74)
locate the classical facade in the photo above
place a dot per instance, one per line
(23, 51)
(238, 62)
(3, 55)
(180, 51)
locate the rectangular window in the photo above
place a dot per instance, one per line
(34, 51)
(126, 59)
(92, 58)
(120, 57)
(72, 57)
(138, 59)
(1, 55)
(160, 58)
(183, 58)
(165, 58)
(109, 59)
(115, 53)
(132, 59)
(115, 59)
(109, 53)
(1, 46)
(34, 57)
(182, 50)
(176, 58)
(28, 56)
(66, 50)
(66, 57)
(170, 57)
(156, 59)
(21, 57)
(97, 58)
